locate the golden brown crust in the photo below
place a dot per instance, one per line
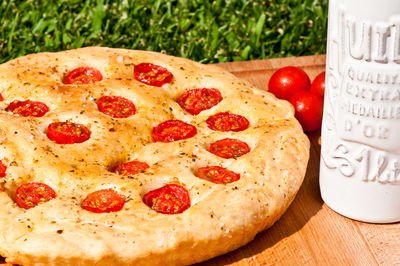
(221, 217)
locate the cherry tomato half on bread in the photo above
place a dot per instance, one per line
(318, 84)
(32, 194)
(173, 130)
(67, 132)
(152, 74)
(28, 108)
(229, 148)
(227, 122)
(196, 100)
(104, 200)
(83, 75)
(309, 107)
(1, 97)
(116, 106)
(130, 168)
(217, 174)
(169, 199)
(3, 169)
(287, 81)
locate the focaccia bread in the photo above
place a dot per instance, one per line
(123, 157)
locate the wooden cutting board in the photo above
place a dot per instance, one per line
(310, 233)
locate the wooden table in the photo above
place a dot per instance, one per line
(310, 233)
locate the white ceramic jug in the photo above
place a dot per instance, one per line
(360, 152)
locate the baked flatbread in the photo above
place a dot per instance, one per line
(123, 157)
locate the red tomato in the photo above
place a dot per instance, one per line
(152, 74)
(318, 84)
(285, 82)
(1, 97)
(83, 75)
(28, 108)
(169, 199)
(104, 200)
(227, 122)
(217, 174)
(67, 132)
(173, 130)
(3, 169)
(197, 100)
(130, 168)
(229, 148)
(116, 106)
(309, 107)
(32, 194)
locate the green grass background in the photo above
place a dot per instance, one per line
(205, 31)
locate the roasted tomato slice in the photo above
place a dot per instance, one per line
(28, 108)
(152, 74)
(83, 75)
(173, 130)
(67, 132)
(169, 199)
(227, 122)
(116, 106)
(3, 169)
(229, 148)
(130, 168)
(197, 100)
(104, 200)
(217, 174)
(32, 194)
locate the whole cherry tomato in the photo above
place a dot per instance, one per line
(308, 106)
(318, 84)
(285, 82)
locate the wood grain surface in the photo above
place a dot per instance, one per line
(310, 233)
